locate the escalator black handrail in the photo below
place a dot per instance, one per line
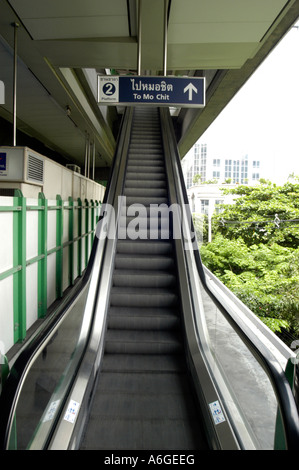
(265, 358)
(14, 382)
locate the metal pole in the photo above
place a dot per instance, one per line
(85, 156)
(165, 39)
(93, 160)
(15, 25)
(88, 158)
(139, 39)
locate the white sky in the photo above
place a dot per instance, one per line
(262, 120)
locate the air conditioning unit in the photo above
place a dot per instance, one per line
(74, 168)
(21, 164)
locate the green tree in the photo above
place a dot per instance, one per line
(196, 179)
(255, 250)
(265, 278)
(265, 213)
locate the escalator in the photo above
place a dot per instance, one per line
(144, 398)
(127, 362)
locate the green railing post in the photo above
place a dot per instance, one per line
(96, 217)
(42, 252)
(71, 241)
(59, 246)
(86, 231)
(92, 221)
(19, 261)
(80, 242)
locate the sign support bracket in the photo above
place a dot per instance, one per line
(139, 39)
(165, 37)
(15, 65)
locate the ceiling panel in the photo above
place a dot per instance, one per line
(74, 27)
(221, 11)
(73, 19)
(209, 56)
(90, 54)
(211, 33)
(212, 21)
(221, 34)
(68, 8)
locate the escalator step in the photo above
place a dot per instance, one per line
(145, 192)
(146, 227)
(141, 278)
(146, 156)
(134, 234)
(146, 138)
(145, 175)
(142, 220)
(145, 184)
(136, 434)
(142, 406)
(146, 201)
(142, 297)
(146, 169)
(145, 162)
(154, 210)
(147, 363)
(157, 409)
(142, 342)
(144, 383)
(136, 150)
(147, 247)
(125, 261)
(143, 318)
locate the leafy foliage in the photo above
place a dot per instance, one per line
(261, 214)
(265, 278)
(257, 259)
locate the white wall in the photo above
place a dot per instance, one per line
(6, 284)
(57, 178)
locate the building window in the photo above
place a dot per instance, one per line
(199, 166)
(256, 164)
(255, 176)
(189, 178)
(196, 159)
(216, 162)
(204, 206)
(236, 171)
(203, 162)
(244, 171)
(216, 174)
(228, 169)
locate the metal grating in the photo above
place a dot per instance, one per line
(35, 169)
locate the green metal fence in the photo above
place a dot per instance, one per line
(75, 230)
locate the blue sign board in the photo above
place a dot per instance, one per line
(159, 91)
(2, 161)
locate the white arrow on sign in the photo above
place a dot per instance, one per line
(190, 88)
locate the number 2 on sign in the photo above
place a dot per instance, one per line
(109, 89)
